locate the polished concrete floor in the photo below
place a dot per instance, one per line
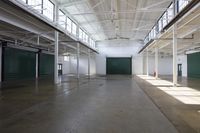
(181, 104)
(112, 104)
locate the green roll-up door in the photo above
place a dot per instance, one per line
(46, 67)
(193, 62)
(18, 64)
(119, 66)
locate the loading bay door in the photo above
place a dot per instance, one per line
(122, 66)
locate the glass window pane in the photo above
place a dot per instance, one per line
(154, 31)
(48, 9)
(74, 28)
(84, 35)
(164, 19)
(86, 38)
(80, 34)
(160, 24)
(36, 4)
(182, 4)
(170, 13)
(69, 25)
(24, 1)
(94, 45)
(90, 42)
(61, 19)
(66, 58)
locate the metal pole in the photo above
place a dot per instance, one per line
(174, 54)
(147, 62)
(156, 62)
(78, 52)
(88, 62)
(37, 59)
(56, 58)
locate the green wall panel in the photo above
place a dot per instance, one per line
(193, 62)
(46, 67)
(18, 64)
(119, 66)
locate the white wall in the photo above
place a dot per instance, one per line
(137, 65)
(119, 49)
(70, 66)
(165, 65)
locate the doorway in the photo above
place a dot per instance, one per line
(60, 69)
(180, 70)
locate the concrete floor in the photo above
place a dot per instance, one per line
(183, 113)
(113, 104)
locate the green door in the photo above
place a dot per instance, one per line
(18, 64)
(193, 63)
(46, 65)
(119, 66)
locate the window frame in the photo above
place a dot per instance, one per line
(53, 14)
(69, 25)
(60, 23)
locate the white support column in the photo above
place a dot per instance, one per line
(89, 63)
(37, 59)
(0, 62)
(70, 62)
(56, 58)
(147, 62)
(174, 54)
(78, 54)
(156, 62)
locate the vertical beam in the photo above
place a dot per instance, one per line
(1, 64)
(37, 60)
(70, 62)
(36, 65)
(174, 54)
(56, 15)
(56, 58)
(147, 62)
(156, 62)
(78, 54)
(89, 63)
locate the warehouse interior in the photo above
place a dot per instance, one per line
(100, 66)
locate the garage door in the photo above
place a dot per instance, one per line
(119, 66)
(46, 65)
(18, 64)
(193, 61)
